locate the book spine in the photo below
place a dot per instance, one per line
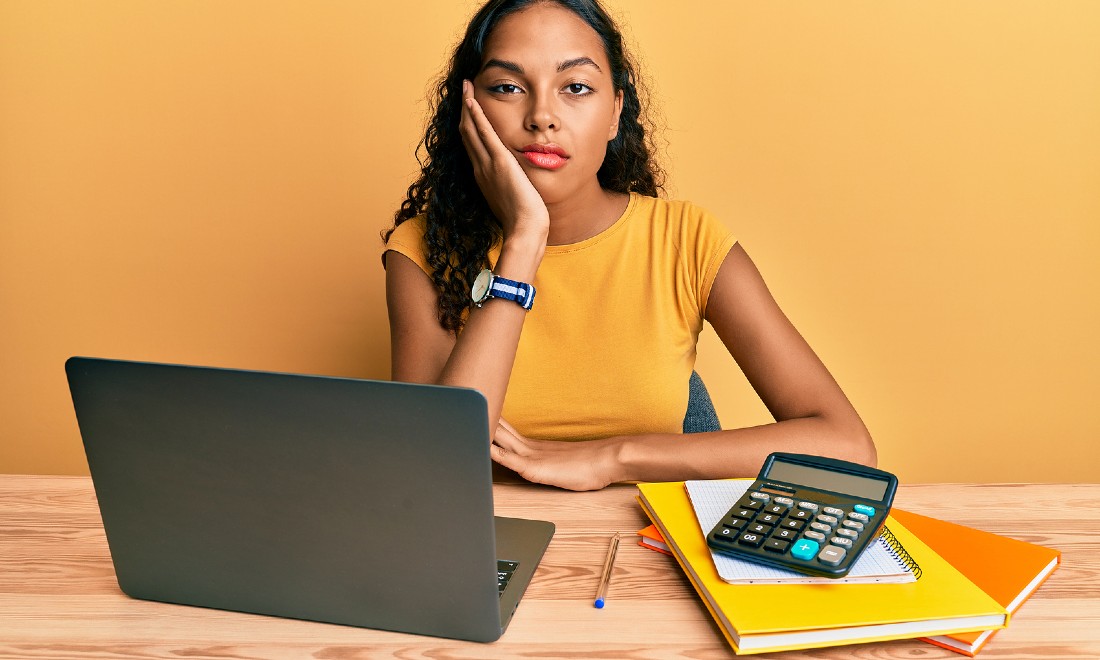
(899, 552)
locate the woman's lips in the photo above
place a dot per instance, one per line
(546, 156)
(544, 160)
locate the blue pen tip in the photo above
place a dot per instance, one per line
(599, 603)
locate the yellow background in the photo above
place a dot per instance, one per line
(204, 182)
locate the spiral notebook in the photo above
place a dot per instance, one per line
(884, 561)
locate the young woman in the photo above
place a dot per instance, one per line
(582, 333)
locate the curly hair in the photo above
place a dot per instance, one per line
(461, 229)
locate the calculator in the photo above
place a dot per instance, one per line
(809, 514)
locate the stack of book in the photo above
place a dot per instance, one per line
(924, 578)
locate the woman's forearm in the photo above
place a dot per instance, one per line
(735, 453)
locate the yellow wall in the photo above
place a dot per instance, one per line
(204, 182)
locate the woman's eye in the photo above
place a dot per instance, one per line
(578, 89)
(505, 88)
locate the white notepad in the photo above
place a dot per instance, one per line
(883, 561)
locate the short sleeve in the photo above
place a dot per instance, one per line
(712, 242)
(408, 239)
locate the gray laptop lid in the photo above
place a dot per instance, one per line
(366, 503)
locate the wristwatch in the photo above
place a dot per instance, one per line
(487, 285)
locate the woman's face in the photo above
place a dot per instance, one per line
(545, 86)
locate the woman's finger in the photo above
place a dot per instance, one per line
(467, 129)
(489, 139)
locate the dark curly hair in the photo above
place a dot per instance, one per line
(461, 229)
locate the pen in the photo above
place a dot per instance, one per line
(609, 563)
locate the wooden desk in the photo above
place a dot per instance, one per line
(59, 598)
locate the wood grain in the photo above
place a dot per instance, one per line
(59, 598)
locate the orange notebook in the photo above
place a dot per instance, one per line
(1006, 569)
(652, 539)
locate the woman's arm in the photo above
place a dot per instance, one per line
(812, 414)
(482, 355)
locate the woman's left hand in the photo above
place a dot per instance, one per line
(584, 465)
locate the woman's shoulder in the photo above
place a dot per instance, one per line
(407, 238)
(676, 214)
(411, 230)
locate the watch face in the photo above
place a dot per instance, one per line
(481, 285)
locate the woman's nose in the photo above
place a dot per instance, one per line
(542, 115)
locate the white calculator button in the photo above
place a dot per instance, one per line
(785, 501)
(824, 529)
(858, 516)
(842, 542)
(847, 532)
(816, 536)
(809, 506)
(829, 520)
(851, 524)
(763, 497)
(833, 511)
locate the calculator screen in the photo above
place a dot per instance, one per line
(839, 482)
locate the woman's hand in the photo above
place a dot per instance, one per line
(506, 187)
(571, 465)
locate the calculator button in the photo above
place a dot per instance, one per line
(859, 516)
(776, 545)
(757, 528)
(818, 527)
(864, 509)
(763, 497)
(816, 536)
(827, 520)
(851, 524)
(809, 506)
(751, 539)
(725, 534)
(734, 523)
(833, 511)
(785, 534)
(785, 501)
(801, 514)
(746, 503)
(842, 542)
(742, 513)
(793, 523)
(832, 555)
(804, 549)
(847, 532)
(769, 519)
(777, 509)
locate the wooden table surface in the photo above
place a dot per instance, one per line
(59, 598)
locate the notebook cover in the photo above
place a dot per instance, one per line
(758, 617)
(1006, 569)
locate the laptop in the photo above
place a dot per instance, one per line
(357, 502)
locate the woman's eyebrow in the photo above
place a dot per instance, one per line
(578, 61)
(567, 64)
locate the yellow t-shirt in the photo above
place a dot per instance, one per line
(610, 344)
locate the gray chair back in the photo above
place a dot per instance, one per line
(701, 416)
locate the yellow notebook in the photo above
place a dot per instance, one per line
(756, 618)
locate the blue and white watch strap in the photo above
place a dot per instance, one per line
(486, 285)
(520, 292)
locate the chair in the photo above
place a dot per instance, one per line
(701, 416)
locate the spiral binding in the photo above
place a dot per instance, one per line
(899, 552)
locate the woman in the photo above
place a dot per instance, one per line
(539, 170)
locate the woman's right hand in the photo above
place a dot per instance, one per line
(510, 193)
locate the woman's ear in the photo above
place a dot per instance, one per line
(614, 131)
